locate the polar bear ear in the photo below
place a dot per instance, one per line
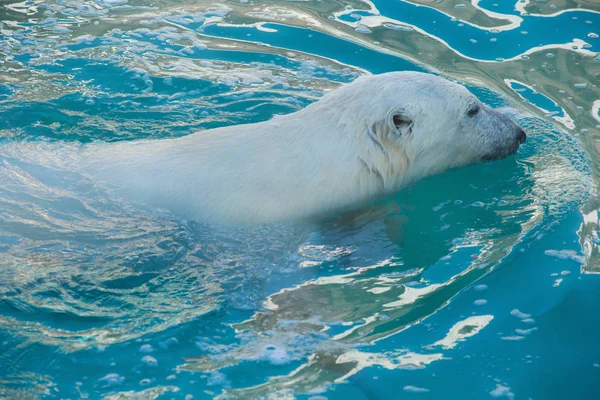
(399, 121)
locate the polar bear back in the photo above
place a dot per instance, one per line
(248, 173)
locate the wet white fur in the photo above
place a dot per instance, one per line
(333, 154)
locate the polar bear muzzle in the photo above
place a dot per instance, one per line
(503, 136)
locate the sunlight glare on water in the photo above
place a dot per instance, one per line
(479, 282)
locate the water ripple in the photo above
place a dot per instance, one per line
(102, 297)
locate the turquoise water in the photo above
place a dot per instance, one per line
(481, 282)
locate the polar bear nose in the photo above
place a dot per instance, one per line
(521, 136)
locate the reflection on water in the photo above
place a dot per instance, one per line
(103, 297)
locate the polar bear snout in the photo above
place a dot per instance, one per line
(519, 138)
(508, 149)
(504, 138)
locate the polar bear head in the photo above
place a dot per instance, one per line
(413, 124)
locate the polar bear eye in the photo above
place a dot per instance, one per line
(473, 110)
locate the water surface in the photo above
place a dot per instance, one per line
(479, 282)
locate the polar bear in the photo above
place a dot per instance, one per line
(361, 141)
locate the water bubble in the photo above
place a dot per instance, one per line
(166, 343)
(519, 314)
(414, 389)
(480, 288)
(111, 380)
(512, 339)
(150, 361)
(493, 40)
(460, 6)
(525, 332)
(549, 55)
(557, 282)
(592, 35)
(146, 348)
(472, 40)
(480, 302)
